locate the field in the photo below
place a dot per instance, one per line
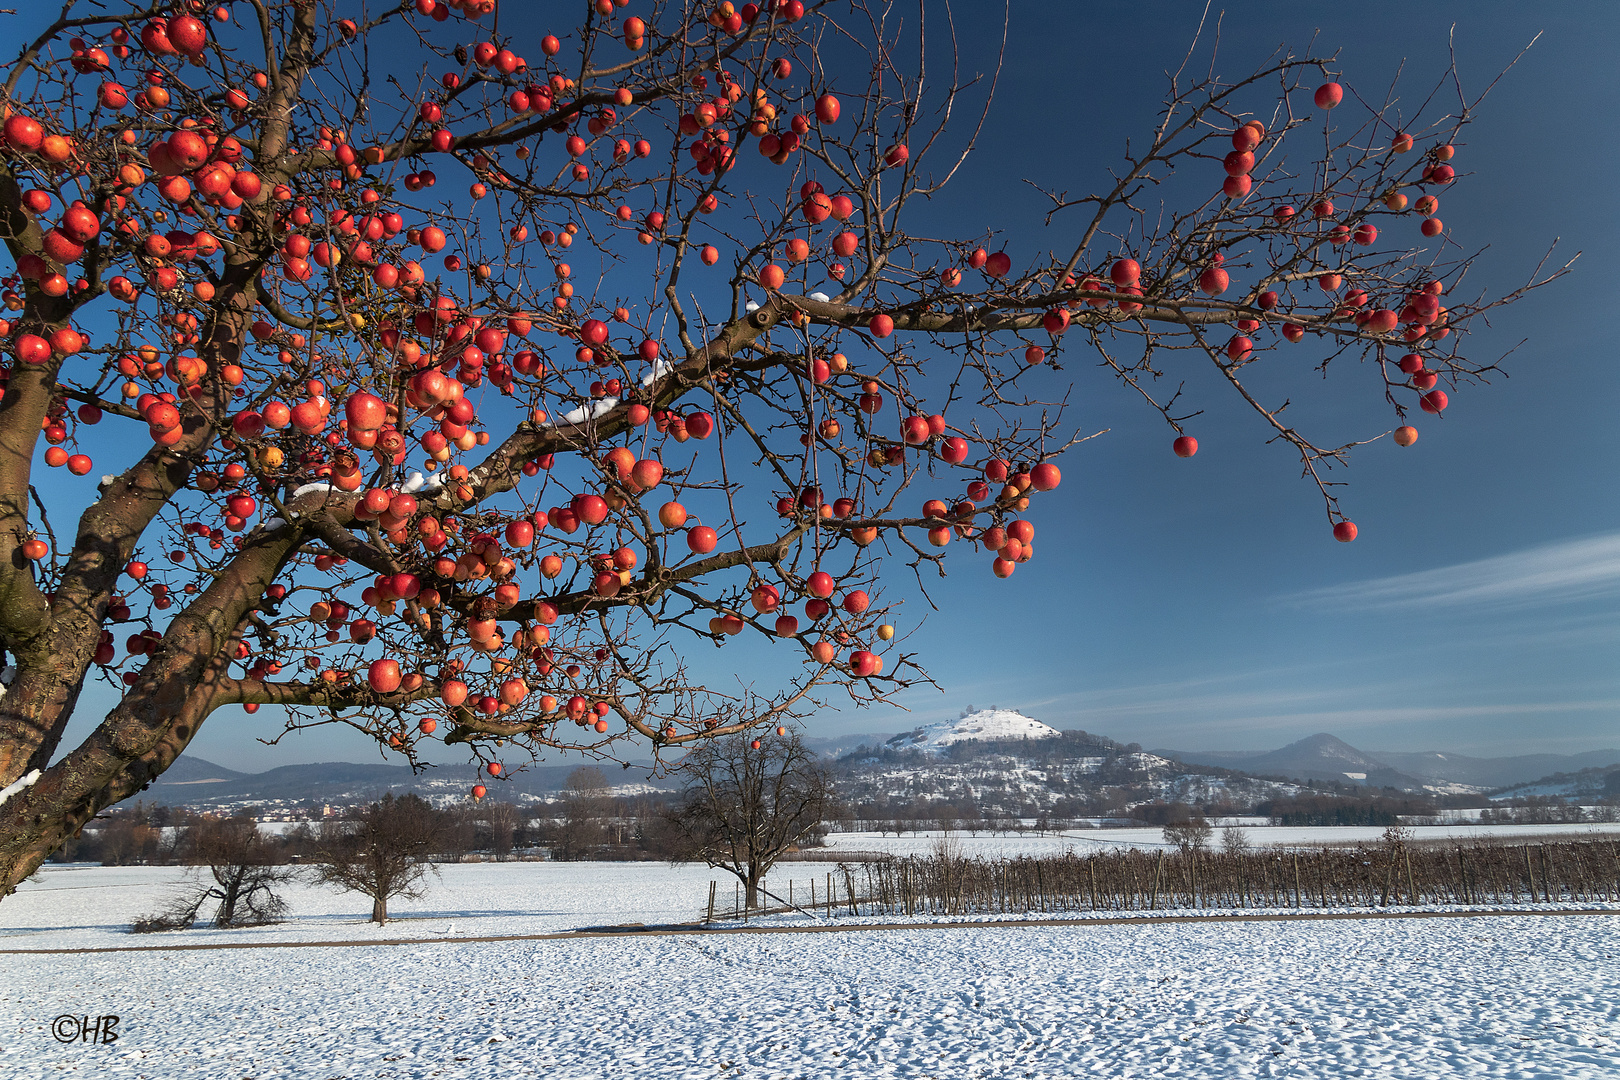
(1514, 995)
(1085, 841)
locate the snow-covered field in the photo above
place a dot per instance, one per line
(1085, 841)
(92, 907)
(1505, 996)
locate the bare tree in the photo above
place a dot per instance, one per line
(747, 802)
(245, 866)
(585, 799)
(504, 819)
(382, 852)
(1190, 835)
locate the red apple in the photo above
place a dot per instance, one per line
(702, 539)
(1125, 272)
(384, 676)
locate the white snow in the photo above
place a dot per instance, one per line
(660, 367)
(590, 411)
(1506, 996)
(81, 906)
(23, 784)
(307, 489)
(986, 724)
(821, 296)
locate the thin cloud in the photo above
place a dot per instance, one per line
(1553, 573)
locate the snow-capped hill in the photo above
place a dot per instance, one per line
(986, 725)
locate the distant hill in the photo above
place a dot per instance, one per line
(836, 746)
(1320, 757)
(1325, 757)
(1000, 759)
(1497, 772)
(1585, 785)
(1028, 770)
(984, 725)
(196, 782)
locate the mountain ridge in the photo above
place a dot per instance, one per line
(197, 782)
(1311, 758)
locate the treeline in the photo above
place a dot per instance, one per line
(1391, 873)
(1547, 810)
(588, 825)
(1337, 810)
(959, 814)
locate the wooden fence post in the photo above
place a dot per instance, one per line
(710, 917)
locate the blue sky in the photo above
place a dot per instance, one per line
(1202, 603)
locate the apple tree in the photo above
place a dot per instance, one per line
(435, 371)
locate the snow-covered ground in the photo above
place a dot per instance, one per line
(1085, 841)
(83, 906)
(1506, 996)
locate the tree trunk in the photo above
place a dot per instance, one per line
(152, 725)
(751, 899)
(379, 910)
(227, 906)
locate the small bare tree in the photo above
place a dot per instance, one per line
(585, 800)
(504, 819)
(747, 802)
(244, 865)
(381, 852)
(1190, 835)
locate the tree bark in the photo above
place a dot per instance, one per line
(157, 719)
